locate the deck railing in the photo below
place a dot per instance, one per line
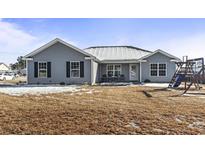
(106, 78)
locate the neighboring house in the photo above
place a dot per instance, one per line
(59, 61)
(4, 67)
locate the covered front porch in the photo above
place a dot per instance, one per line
(119, 72)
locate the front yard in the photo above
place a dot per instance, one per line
(104, 110)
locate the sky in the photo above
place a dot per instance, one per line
(179, 37)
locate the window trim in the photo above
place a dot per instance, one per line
(113, 68)
(163, 69)
(152, 69)
(74, 69)
(42, 69)
(158, 69)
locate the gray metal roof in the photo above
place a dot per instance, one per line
(117, 52)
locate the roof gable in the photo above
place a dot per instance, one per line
(57, 40)
(162, 52)
(5, 65)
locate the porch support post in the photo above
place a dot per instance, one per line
(26, 63)
(140, 72)
(91, 71)
(26, 71)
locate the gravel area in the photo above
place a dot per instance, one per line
(38, 90)
(19, 90)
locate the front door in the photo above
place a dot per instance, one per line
(133, 72)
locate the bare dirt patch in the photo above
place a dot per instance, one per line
(103, 110)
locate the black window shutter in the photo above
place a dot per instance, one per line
(35, 69)
(67, 69)
(48, 69)
(81, 69)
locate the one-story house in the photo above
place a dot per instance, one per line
(60, 62)
(4, 67)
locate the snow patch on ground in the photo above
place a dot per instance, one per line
(116, 84)
(197, 124)
(198, 95)
(89, 92)
(157, 85)
(38, 90)
(180, 118)
(133, 125)
(158, 130)
(85, 91)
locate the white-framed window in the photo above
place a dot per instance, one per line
(153, 69)
(110, 70)
(162, 69)
(158, 69)
(75, 69)
(113, 70)
(42, 69)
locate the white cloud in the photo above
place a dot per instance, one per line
(12, 38)
(193, 46)
(14, 41)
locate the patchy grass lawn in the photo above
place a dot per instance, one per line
(104, 110)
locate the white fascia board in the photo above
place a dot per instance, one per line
(43, 47)
(143, 61)
(162, 52)
(88, 58)
(92, 58)
(119, 61)
(54, 42)
(24, 58)
(174, 60)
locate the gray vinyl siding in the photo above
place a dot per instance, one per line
(95, 72)
(158, 58)
(58, 54)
